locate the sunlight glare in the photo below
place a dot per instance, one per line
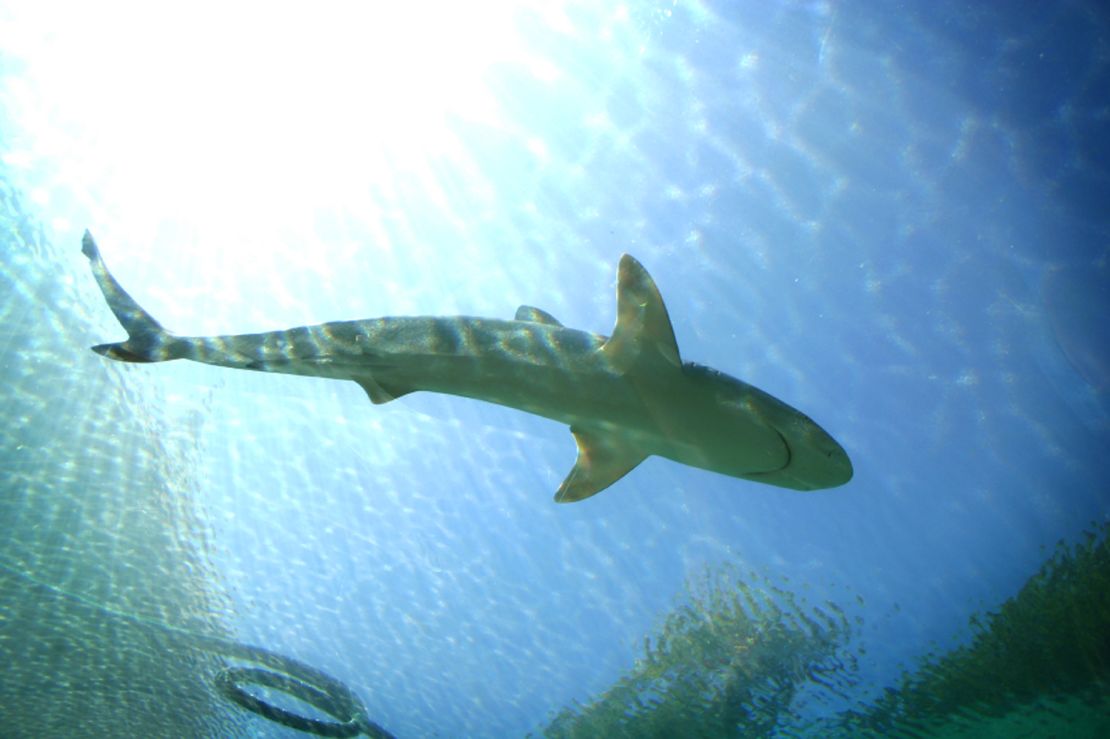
(228, 117)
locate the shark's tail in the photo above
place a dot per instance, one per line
(146, 341)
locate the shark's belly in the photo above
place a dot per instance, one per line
(668, 417)
(695, 426)
(571, 392)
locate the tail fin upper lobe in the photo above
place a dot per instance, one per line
(147, 340)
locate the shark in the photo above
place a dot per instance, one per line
(625, 397)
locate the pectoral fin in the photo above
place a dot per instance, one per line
(602, 460)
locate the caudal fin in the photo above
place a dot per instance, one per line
(146, 341)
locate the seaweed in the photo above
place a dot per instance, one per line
(1046, 648)
(736, 656)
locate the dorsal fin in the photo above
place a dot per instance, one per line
(536, 315)
(643, 332)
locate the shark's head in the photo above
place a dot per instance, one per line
(802, 455)
(816, 461)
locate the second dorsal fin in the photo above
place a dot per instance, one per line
(536, 315)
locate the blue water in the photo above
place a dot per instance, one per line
(893, 217)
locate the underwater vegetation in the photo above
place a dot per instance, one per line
(1043, 656)
(741, 658)
(738, 657)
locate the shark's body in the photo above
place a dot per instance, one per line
(625, 397)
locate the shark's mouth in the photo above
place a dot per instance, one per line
(785, 465)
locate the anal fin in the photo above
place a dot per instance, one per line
(380, 393)
(602, 460)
